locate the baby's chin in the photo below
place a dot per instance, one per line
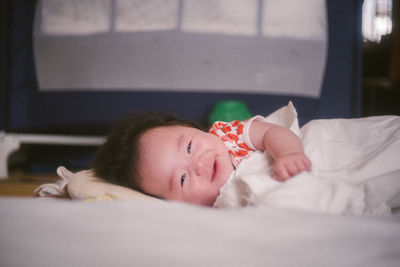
(211, 197)
(221, 182)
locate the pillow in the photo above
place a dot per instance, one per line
(84, 185)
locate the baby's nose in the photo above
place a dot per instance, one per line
(204, 165)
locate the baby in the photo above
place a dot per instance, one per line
(174, 159)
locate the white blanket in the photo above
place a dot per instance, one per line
(356, 168)
(49, 232)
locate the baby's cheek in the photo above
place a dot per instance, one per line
(202, 195)
(213, 139)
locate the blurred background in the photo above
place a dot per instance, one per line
(74, 67)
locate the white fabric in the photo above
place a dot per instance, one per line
(85, 185)
(280, 49)
(59, 189)
(355, 169)
(303, 20)
(47, 232)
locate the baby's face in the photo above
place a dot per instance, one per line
(184, 164)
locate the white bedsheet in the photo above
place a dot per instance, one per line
(40, 232)
(356, 170)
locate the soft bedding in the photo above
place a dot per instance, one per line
(355, 169)
(50, 232)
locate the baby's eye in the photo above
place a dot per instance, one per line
(189, 147)
(183, 179)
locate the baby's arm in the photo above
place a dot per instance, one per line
(284, 147)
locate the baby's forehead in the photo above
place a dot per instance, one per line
(160, 136)
(169, 130)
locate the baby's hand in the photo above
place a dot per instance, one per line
(289, 165)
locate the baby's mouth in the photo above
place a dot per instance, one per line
(214, 170)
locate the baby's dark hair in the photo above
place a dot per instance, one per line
(117, 159)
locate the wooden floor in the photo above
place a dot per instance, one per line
(20, 184)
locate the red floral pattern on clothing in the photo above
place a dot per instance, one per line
(231, 133)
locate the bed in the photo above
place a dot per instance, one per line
(61, 232)
(64, 233)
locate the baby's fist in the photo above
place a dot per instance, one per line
(289, 165)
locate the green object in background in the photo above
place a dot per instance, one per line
(229, 110)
